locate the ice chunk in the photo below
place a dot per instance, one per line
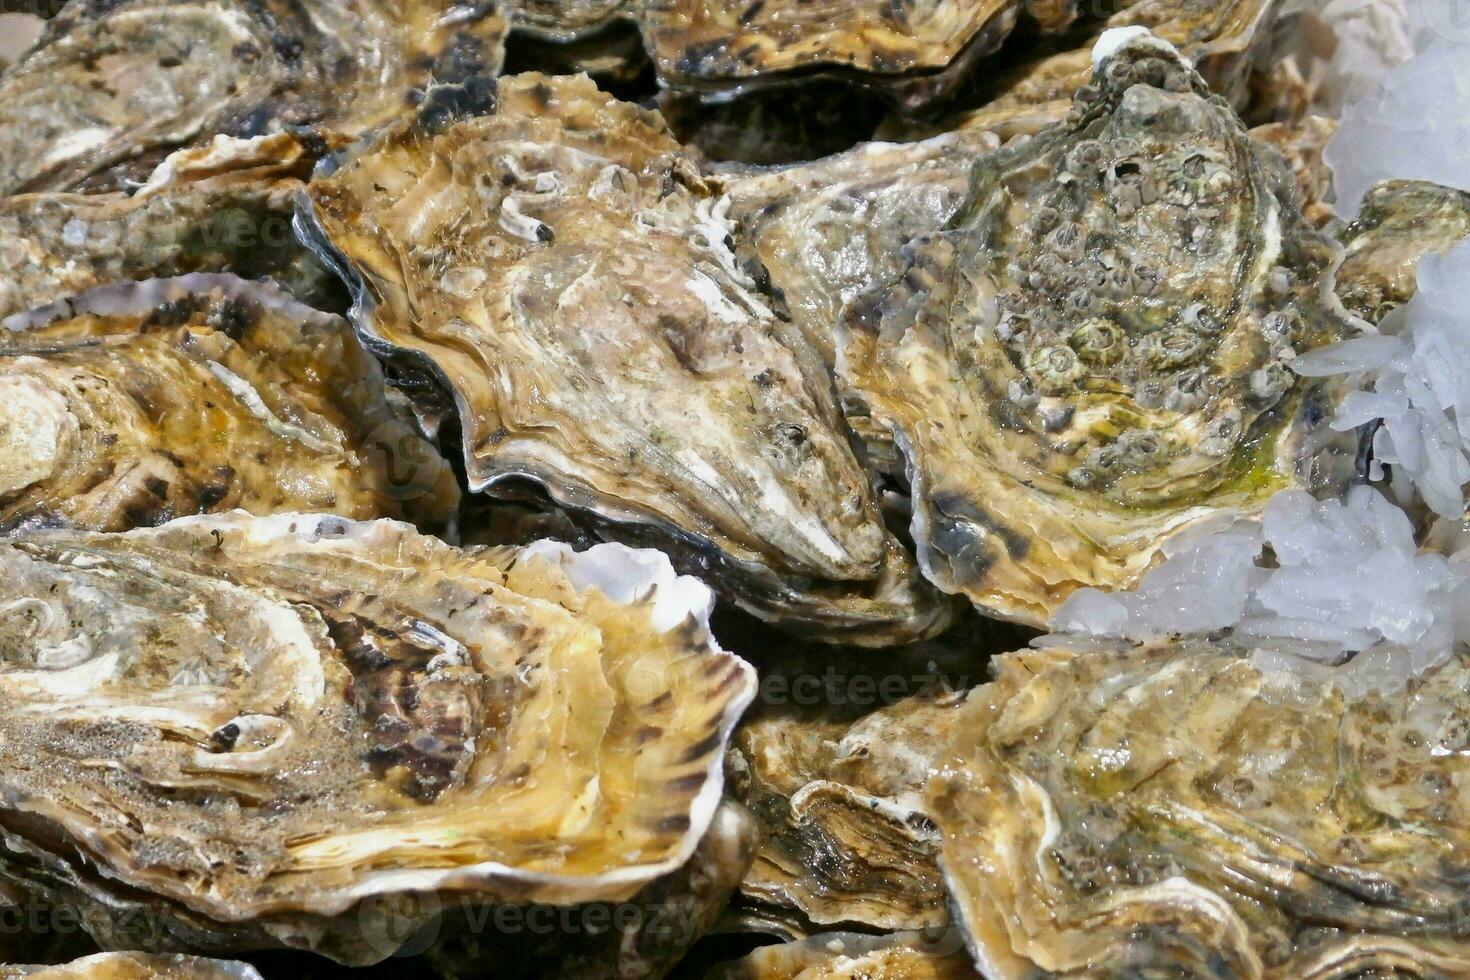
(1415, 126)
(1417, 384)
(1311, 581)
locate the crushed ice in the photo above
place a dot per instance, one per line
(1312, 584)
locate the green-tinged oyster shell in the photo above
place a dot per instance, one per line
(1180, 810)
(135, 403)
(234, 732)
(114, 82)
(565, 270)
(1096, 354)
(1400, 222)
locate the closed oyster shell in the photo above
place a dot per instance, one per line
(564, 269)
(1180, 810)
(566, 20)
(831, 230)
(1301, 144)
(853, 956)
(135, 403)
(915, 51)
(1096, 354)
(113, 81)
(223, 207)
(297, 730)
(846, 841)
(643, 937)
(135, 966)
(1400, 222)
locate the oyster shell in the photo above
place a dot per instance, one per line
(110, 82)
(846, 840)
(1301, 144)
(1181, 810)
(135, 403)
(566, 20)
(296, 730)
(829, 231)
(916, 51)
(1095, 355)
(853, 956)
(224, 207)
(643, 937)
(564, 269)
(135, 966)
(1223, 39)
(1400, 222)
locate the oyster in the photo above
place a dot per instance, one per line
(566, 20)
(1301, 144)
(852, 956)
(1399, 223)
(829, 231)
(299, 730)
(113, 83)
(566, 271)
(644, 937)
(846, 839)
(224, 207)
(1096, 354)
(135, 966)
(135, 403)
(1182, 810)
(916, 51)
(1221, 38)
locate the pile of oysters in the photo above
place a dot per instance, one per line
(580, 489)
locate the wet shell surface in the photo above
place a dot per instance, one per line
(250, 726)
(135, 966)
(1179, 808)
(111, 83)
(135, 403)
(566, 272)
(1096, 353)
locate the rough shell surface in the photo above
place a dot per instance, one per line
(1096, 354)
(854, 956)
(917, 49)
(266, 731)
(135, 403)
(109, 82)
(1178, 810)
(845, 837)
(1400, 222)
(223, 207)
(566, 271)
(135, 966)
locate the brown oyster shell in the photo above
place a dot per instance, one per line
(110, 82)
(134, 966)
(917, 50)
(642, 937)
(1178, 809)
(564, 268)
(1399, 222)
(222, 207)
(136, 403)
(1095, 355)
(853, 956)
(846, 841)
(299, 729)
(566, 20)
(1301, 144)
